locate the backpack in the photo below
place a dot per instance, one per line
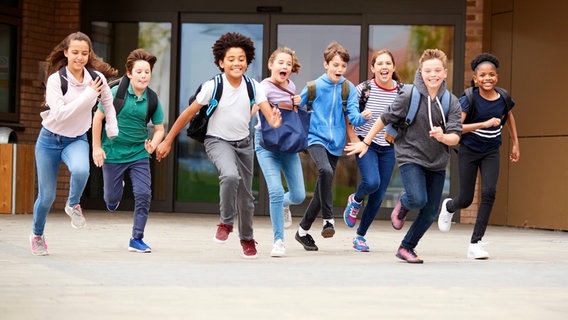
(118, 100)
(391, 130)
(344, 94)
(198, 124)
(366, 92)
(468, 93)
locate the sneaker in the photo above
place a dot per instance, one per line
(360, 244)
(476, 251)
(278, 249)
(445, 217)
(138, 245)
(249, 248)
(351, 211)
(408, 255)
(328, 230)
(112, 207)
(287, 217)
(398, 215)
(39, 246)
(76, 213)
(307, 241)
(222, 234)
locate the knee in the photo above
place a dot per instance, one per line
(230, 179)
(81, 173)
(276, 194)
(415, 202)
(297, 196)
(488, 195)
(371, 184)
(326, 172)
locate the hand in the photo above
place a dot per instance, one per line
(296, 100)
(276, 118)
(367, 114)
(163, 150)
(149, 146)
(515, 154)
(493, 122)
(437, 133)
(98, 156)
(357, 147)
(97, 85)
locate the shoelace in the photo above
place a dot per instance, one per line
(38, 242)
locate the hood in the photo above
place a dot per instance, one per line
(421, 86)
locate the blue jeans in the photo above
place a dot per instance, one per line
(50, 150)
(423, 192)
(272, 163)
(139, 172)
(376, 168)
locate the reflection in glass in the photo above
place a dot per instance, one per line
(8, 48)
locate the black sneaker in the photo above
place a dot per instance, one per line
(328, 230)
(307, 241)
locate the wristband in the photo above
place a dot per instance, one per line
(368, 145)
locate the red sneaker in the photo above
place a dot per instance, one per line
(249, 249)
(222, 234)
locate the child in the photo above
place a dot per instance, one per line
(64, 126)
(227, 142)
(479, 149)
(376, 166)
(326, 138)
(421, 148)
(282, 63)
(130, 151)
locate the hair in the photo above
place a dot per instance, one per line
(333, 49)
(140, 55)
(295, 64)
(57, 59)
(430, 54)
(483, 58)
(377, 53)
(232, 40)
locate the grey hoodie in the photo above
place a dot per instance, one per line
(413, 144)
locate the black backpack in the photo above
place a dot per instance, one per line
(468, 93)
(120, 96)
(198, 125)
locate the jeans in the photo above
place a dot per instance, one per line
(139, 172)
(234, 163)
(272, 163)
(423, 192)
(50, 150)
(376, 168)
(323, 193)
(488, 165)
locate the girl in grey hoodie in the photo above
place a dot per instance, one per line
(422, 148)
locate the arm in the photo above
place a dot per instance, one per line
(362, 146)
(450, 139)
(152, 144)
(350, 130)
(164, 147)
(469, 127)
(106, 100)
(98, 152)
(512, 126)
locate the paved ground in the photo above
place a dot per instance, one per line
(90, 275)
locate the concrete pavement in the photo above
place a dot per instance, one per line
(89, 274)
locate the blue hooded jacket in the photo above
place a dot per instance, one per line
(327, 122)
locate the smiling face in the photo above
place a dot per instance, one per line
(140, 75)
(485, 76)
(383, 69)
(77, 55)
(234, 64)
(336, 68)
(280, 68)
(433, 73)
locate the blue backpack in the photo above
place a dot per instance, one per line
(391, 130)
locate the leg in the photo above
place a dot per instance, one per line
(141, 186)
(113, 177)
(489, 176)
(469, 162)
(75, 155)
(245, 199)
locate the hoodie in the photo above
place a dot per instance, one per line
(327, 121)
(413, 144)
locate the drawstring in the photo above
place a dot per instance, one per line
(430, 112)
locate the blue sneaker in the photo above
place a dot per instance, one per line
(351, 211)
(360, 244)
(112, 207)
(137, 245)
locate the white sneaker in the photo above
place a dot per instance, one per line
(476, 251)
(76, 214)
(445, 217)
(39, 246)
(278, 250)
(287, 217)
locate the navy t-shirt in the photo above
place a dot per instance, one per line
(486, 139)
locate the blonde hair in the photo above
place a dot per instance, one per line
(295, 64)
(430, 54)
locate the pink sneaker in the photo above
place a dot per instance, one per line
(351, 211)
(408, 255)
(398, 215)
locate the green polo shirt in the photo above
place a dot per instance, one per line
(128, 146)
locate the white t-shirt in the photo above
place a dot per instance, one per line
(231, 119)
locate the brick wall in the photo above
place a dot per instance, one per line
(44, 24)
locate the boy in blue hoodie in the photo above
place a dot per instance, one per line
(326, 138)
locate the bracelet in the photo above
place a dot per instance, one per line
(368, 145)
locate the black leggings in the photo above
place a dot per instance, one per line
(488, 164)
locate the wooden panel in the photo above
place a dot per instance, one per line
(25, 183)
(6, 155)
(538, 185)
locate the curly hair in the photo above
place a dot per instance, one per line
(137, 55)
(295, 64)
(484, 57)
(57, 59)
(232, 40)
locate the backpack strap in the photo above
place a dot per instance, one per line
(152, 103)
(414, 103)
(251, 90)
(120, 96)
(364, 95)
(468, 93)
(63, 77)
(508, 103)
(344, 95)
(217, 91)
(311, 93)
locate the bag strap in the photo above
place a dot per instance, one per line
(344, 95)
(63, 77)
